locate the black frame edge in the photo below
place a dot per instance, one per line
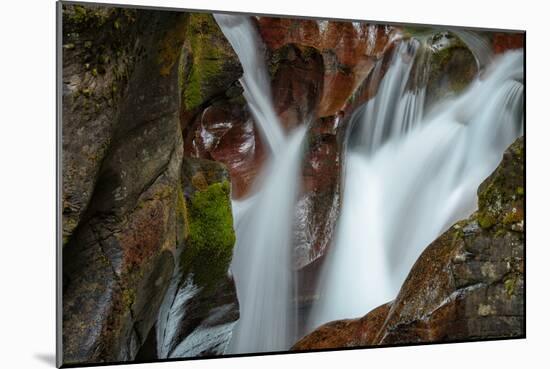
(58, 186)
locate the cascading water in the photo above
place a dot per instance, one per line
(396, 108)
(263, 222)
(242, 35)
(416, 177)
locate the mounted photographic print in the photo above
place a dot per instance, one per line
(241, 184)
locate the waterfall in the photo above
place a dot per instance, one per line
(397, 107)
(244, 39)
(262, 261)
(404, 189)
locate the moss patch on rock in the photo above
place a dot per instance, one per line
(211, 237)
(170, 46)
(501, 196)
(213, 64)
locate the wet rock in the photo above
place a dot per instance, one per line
(225, 132)
(467, 285)
(349, 51)
(318, 202)
(297, 83)
(118, 262)
(345, 333)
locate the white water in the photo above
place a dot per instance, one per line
(411, 187)
(242, 35)
(396, 109)
(263, 222)
(172, 311)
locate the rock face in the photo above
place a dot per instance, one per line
(125, 223)
(99, 52)
(348, 49)
(468, 284)
(316, 66)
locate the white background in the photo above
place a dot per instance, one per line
(27, 182)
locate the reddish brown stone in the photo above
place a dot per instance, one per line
(507, 41)
(349, 51)
(297, 84)
(345, 333)
(225, 132)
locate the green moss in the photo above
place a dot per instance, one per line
(206, 56)
(128, 297)
(171, 45)
(211, 237)
(486, 220)
(520, 191)
(512, 217)
(510, 285)
(417, 31)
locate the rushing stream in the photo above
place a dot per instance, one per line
(408, 177)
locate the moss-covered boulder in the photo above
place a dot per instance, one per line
(201, 306)
(467, 285)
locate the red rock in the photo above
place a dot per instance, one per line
(345, 333)
(297, 84)
(507, 41)
(349, 51)
(224, 132)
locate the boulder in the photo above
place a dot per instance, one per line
(224, 131)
